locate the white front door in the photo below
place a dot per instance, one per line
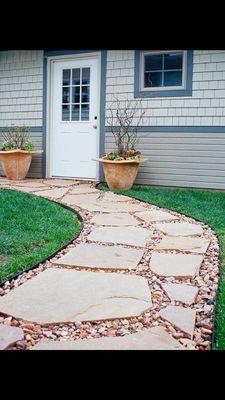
(75, 118)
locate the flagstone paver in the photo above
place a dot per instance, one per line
(180, 292)
(109, 196)
(192, 244)
(180, 229)
(155, 215)
(180, 265)
(114, 219)
(60, 182)
(92, 204)
(81, 200)
(9, 335)
(97, 256)
(30, 189)
(66, 295)
(52, 193)
(32, 184)
(84, 188)
(182, 318)
(133, 236)
(155, 338)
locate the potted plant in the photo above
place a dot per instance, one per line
(121, 166)
(16, 152)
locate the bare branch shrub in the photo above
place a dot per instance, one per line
(122, 122)
(17, 137)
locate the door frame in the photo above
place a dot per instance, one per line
(62, 55)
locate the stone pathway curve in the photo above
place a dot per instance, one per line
(137, 277)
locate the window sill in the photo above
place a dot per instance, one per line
(162, 93)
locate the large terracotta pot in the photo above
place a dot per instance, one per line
(16, 163)
(120, 175)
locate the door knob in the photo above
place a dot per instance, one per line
(95, 126)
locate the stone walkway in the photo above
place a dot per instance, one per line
(137, 277)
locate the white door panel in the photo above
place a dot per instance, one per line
(74, 118)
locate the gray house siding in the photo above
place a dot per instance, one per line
(183, 137)
(179, 158)
(191, 158)
(21, 81)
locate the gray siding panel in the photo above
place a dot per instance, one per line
(180, 159)
(35, 170)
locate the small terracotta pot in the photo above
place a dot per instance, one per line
(16, 163)
(120, 175)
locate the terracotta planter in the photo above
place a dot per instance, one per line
(16, 163)
(120, 175)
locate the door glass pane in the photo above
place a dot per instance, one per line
(84, 112)
(85, 94)
(75, 112)
(65, 95)
(153, 79)
(154, 62)
(76, 94)
(65, 112)
(173, 78)
(76, 76)
(85, 76)
(66, 77)
(173, 61)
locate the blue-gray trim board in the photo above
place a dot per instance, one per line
(205, 129)
(31, 128)
(102, 98)
(162, 93)
(212, 129)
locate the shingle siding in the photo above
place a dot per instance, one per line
(208, 91)
(21, 80)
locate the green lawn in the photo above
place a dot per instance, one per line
(31, 228)
(205, 205)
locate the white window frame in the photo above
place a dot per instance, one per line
(163, 88)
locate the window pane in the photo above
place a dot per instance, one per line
(85, 76)
(173, 61)
(76, 94)
(173, 78)
(153, 62)
(65, 112)
(66, 77)
(75, 112)
(153, 79)
(85, 94)
(85, 112)
(76, 76)
(66, 95)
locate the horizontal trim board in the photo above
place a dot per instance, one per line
(32, 129)
(187, 175)
(183, 178)
(185, 170)
(181, 184)
(183, 165)
(201, 129)
(184, 146)
(168, 140)
(198, 129)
